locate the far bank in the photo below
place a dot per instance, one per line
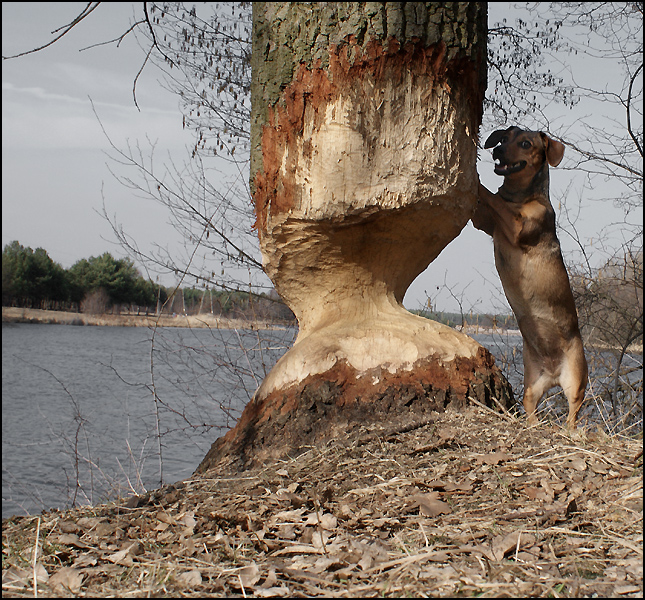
(204, 320)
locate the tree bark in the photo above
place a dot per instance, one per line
(364, 131)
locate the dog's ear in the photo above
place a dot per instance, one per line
(495, 137)
(554, 150)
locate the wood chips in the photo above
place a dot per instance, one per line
(472, 503)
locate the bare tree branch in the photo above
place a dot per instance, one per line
(89, 8)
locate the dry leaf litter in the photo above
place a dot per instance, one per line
(463, 504)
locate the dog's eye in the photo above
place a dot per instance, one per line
(525, 144)
(503, 140)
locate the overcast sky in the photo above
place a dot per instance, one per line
(54, 168)
(55, 175)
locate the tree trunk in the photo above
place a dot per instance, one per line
(364, 130)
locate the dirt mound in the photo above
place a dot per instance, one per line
(464, 503)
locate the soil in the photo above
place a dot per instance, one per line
(464, 502)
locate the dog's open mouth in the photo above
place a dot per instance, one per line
(509, 169)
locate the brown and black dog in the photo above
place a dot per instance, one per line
(521, 221)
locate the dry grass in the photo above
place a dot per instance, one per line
(469, 504)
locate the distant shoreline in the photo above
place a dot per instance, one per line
(12, 314)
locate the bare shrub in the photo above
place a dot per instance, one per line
(96, 302)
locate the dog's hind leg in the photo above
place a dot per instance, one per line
(573, 380)
(536, 382)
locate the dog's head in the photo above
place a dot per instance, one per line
(520, 154)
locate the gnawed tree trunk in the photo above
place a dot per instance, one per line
(364, 127)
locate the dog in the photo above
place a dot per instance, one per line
(521, 221)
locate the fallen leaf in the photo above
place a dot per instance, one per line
(190, 578)
(494, 458)
(326, 520)
(124, 556)
(71, 539)
(85, 560)
(578, 464)
(548, 490)
(289, 516)
(66, 579)
(627, 589)
(17, 578)
(430, 505)
(319, 539)
(285, 494)
(88, 522)
(41, 574)
(298, 549)
(165, 518)
(503, 544)
(366, 562)
(132, 501)
(273, 592)
(249, 575)
(437, 484)
(188, 521)
(270, 580)
(535, 493)
(464, 486)
(480, 549)
(121, 557)
(600, 468)
(104, 529)
(286, 531)
(446, 434)
(68, 526)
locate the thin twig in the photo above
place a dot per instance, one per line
(66, 29)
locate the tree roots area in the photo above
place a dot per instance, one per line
(465, 502)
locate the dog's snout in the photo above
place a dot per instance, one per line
(498, 152)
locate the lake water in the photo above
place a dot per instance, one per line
(79, 417)
(92, 412)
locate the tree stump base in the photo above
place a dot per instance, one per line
(288, 422)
